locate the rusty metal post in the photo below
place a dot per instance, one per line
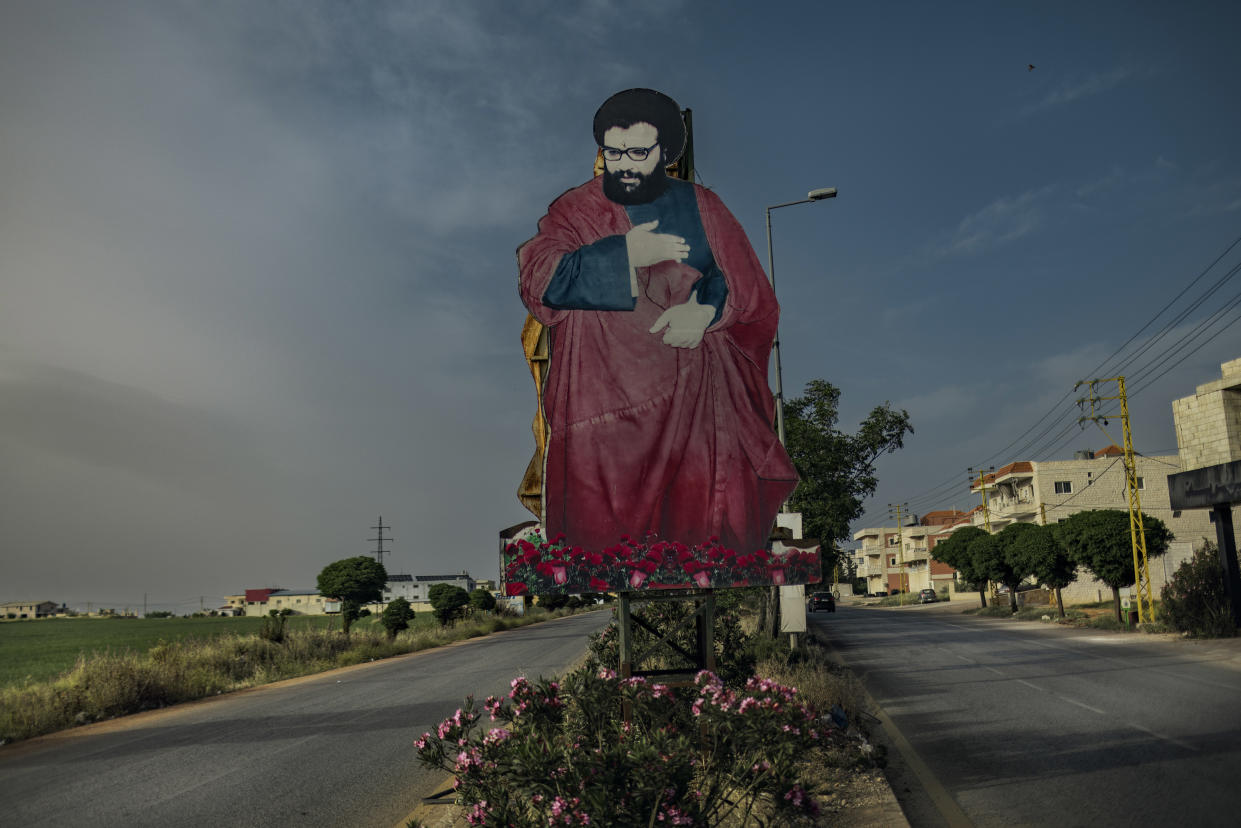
(625, 625)
(1227, 543)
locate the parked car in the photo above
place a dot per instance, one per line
(927, 596)
(822, 601)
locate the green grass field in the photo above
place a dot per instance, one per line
(43, 649)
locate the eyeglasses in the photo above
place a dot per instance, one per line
(634, 153)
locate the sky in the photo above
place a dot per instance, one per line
(258, 283)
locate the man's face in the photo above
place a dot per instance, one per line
(628, 181)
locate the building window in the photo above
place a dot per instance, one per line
(1064, 487)
(891, 561)
(1141, 483)
(891, 540)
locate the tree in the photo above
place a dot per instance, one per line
(1010, 566)
(837, 470)
(447, 601)
(1044, 557)
(396, 616)
(553, 601)
(1099, 540)
(482, 600)
(354, 582)
(957, 550)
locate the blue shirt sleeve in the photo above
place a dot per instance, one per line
(712, 289)
(594, 277)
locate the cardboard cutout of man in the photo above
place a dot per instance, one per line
(661, 321)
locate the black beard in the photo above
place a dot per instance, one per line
(648, 188)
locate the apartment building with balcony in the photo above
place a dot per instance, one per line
(1046, 492)
(1049, 491)
(898, 558)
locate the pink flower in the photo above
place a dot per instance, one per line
(636, 578)
(702, 578)
(559, 576)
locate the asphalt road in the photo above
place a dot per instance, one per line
(1025, 723)
(330, 750)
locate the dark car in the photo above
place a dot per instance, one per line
(822, 601)
(927, 596)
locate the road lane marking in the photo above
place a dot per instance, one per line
(1028, 684)
(1082, 704)
(1171, 739)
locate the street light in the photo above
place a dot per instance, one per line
(813, 195)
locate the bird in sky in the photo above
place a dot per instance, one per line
(1029, 67)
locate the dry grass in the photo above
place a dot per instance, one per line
(110, 684)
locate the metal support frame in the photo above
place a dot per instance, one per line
(703, 618)
(1137, 533)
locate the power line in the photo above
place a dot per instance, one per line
(1038, 446)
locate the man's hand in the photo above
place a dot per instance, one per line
(685, 323)
(646, 247)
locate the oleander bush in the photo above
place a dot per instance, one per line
(563, 753)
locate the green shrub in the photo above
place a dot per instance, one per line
(1194, 601)
(734, 650)
(396, 616)
(273, 627)
(562, 753)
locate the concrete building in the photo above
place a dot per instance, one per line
(15, 610)
(1208, 427)
(1208, 424)
(1049, 491)
(257, 602)
(885, 549)
(413, 588)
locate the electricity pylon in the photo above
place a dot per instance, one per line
(1137, 535)
(379, 541)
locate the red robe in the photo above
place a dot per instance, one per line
(646, 437)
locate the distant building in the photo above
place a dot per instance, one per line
(413, 588)
(29, 609)
(888, 551)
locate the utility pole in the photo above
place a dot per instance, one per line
(900, 546)
(1137, 534)
(379, 541)
(982, 481)
(986, 512)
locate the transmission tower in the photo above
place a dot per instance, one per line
(380, 540)
(1137, 535)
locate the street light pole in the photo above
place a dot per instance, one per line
(813, 195)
